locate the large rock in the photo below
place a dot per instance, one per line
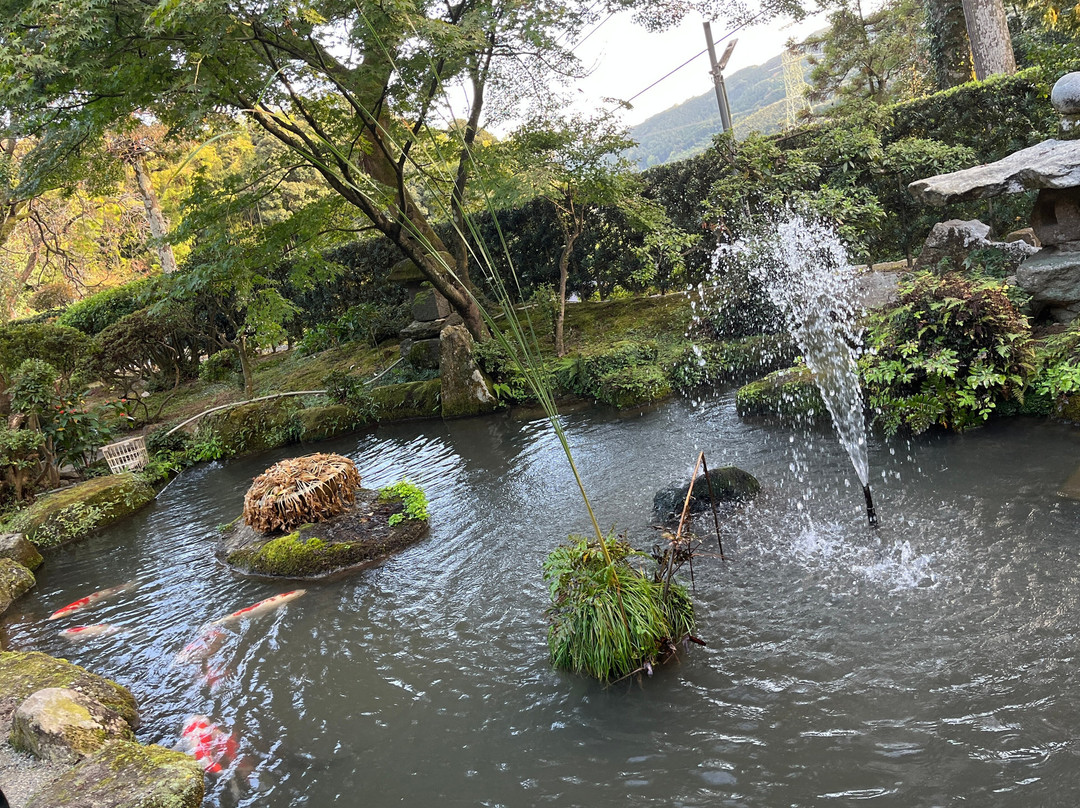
(25, 673)
(1053, 280)
(16, 547)
(1050, 164)
(729, 484)
(358, 537)
(64, 725)
(788, 394)
(321, 423)
(403, 402)
(950, 243)
(15, 581)
(127, 775)
(74, 513)
(464, 388)
(256, 426)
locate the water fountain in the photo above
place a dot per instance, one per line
(803, 266)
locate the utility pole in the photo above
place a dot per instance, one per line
(718, 78)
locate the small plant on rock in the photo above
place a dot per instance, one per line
(412, 498)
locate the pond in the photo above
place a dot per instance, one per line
(931, 663)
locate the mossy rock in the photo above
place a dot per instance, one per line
(124, 774)
(400, 402)
(360, 536)
(1070, 409)
(64, 726)
(15, 581)
(256, 427)
(711, 363)
(593, 368)
(788, 394)
(74, 513)
(24, 673)
(729, 484)
(16, 547)
(322, 423)
(634, 387)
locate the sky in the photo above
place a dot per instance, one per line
(627, 59)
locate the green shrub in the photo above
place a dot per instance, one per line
(156, 347)
(590, 370)
(97, 312)
(344, 388)
(65, 349)
(608, 621)
(1059, 376)
(223, 366)
(948, 354)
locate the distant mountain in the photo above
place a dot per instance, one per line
(756, 96)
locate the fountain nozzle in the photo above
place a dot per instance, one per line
(871, 514)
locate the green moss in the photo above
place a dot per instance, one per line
(399, 402)
(255, 427)
(74, 513)
(291, 556)
(634, 386)
(123, 773)
(23, 673)
(1070, 410)
(321, 423)
(788, 394)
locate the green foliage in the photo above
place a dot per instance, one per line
(221, 366)
(948, 354)
(607, 617)
(706, 363)
(206, 445)
(413, 500)
(363, 322)
(590, 371)
(68, 524)
(1059, 357)
(65, 349)
(344, 388)
(20, 456)
(159, 346)
(94, 314)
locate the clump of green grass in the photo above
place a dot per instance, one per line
(608, 617)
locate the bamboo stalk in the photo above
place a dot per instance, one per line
(712, 502)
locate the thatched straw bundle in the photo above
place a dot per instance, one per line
(299, 491)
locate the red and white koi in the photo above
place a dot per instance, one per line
(212, 747)
(77, 633)
(208, 643)
(261, 607)
(90, 600)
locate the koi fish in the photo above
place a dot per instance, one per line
(212, 747)
(261, 607)
(86, 632)
(90, 600)
(208, 643)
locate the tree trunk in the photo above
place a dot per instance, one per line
(19, 282)
(245, 366)
(991, 45)
(159, 228)
(570, 233)
(949, 46)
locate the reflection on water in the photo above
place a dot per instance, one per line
(929, 664)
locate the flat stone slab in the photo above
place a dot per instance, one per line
(1050, 164)
(1071, 487)
(358, 537)
(127, 775)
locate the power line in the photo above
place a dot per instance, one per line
(667, 75)
(600, 25)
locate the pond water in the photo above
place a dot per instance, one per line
(930, 664)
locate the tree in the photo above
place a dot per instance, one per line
(991, 43)
(878, 56)
(950, 49)
(573, 164)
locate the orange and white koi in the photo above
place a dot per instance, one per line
(261, 607)
(77, 633)
(90, 600)
(212, 747)
(208, 643)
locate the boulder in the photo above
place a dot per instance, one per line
(729, 484)
(1051, 278)
(950, 243)
(402, 402)
(74, 513)
(15, 581)
(423, 353)
(321, 423)
(256, 426)
(1026, 235)
(64, 725)
(16, 547)
(123, 774)
(360, 536)
(788, 394)
(464, 390)
(1050, 164)
(24, 673)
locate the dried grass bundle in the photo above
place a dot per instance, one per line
(299, 491)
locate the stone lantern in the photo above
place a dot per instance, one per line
(1051, 275)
